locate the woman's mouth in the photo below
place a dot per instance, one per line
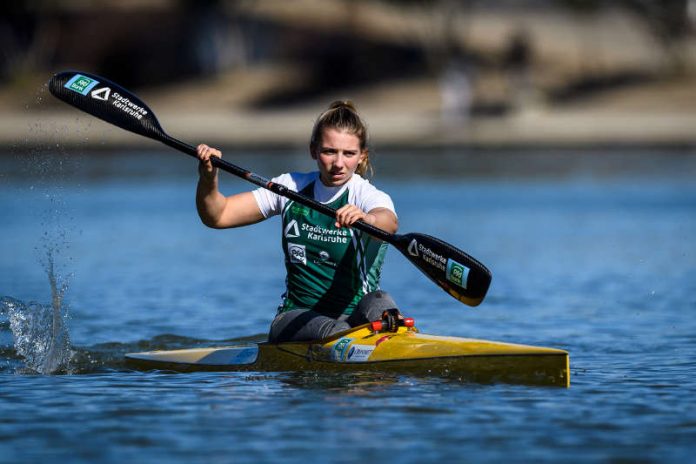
(336, 177)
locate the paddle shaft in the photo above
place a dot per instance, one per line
(279, 189)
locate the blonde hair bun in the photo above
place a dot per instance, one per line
(343, 104)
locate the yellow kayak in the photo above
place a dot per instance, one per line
(368, 348)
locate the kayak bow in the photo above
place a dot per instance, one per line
(361, 349)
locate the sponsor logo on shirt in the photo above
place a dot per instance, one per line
(291, 230)
(325, 259)
(297, 253)
(299, 210)
(323, 234)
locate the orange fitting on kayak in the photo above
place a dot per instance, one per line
(376, 326)
(409, 322)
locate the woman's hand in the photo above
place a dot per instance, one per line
(205, 167)
(348, 215)
(381, 218)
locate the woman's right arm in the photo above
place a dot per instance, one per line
(215, 209)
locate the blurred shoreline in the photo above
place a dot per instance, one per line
(539, 74)
(393, 126)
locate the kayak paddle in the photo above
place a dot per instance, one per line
(456, 272)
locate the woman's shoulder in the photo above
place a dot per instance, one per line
(367, 196)
(361, 184)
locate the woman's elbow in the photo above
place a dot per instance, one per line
(390, 223)
(210, 221)
(394, 226)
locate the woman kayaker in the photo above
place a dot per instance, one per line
(333, 270)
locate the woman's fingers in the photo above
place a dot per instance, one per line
(204, 152)
(348, 215)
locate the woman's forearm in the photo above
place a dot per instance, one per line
(210, 203)
(384, 219)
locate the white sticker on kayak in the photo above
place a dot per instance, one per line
(359, 353)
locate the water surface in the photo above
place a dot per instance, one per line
(103, 254)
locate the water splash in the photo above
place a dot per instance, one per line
(40, 331)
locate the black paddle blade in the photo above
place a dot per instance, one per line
(454, 271)
(107, 101)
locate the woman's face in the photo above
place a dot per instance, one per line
(338, 156)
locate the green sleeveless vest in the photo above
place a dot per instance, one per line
(328, 269)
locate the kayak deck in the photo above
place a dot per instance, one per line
(361, 349)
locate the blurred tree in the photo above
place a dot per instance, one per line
(668, 20)
(19, 50)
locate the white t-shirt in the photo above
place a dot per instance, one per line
(361, 193)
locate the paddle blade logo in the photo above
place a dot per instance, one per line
(457, 273)
(101, 94)
(81, 84)
(413, 248)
